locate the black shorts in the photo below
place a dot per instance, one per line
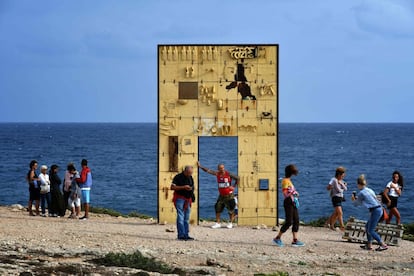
(34, 193)
(337, 201)
(394, 202)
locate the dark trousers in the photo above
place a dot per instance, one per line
(66, 199)
(291, 216)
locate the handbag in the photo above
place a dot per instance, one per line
(44, 188)
(385, 215)
(296, 202)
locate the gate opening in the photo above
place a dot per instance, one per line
(211, 152)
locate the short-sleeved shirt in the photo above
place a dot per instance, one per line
(287, 187)
(183, 180)
(330, 184)
(338, 187)
(393, 191)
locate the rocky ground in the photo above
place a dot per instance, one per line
(61, 246)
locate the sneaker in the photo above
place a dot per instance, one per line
(278, 242)
(230, 226)
(298, 244)
(83, 218)
(189, 238)
(43, 215)
(365, 247)
(382, 248)
(216, 226)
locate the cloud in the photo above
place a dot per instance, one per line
(389, 18)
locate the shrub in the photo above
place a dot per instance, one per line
(320, 222)
(138, 215)
(409, 232)
(138, 261)
(106, 211)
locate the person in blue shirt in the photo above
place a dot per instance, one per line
(368, 199)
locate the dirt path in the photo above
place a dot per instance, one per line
(40, 245)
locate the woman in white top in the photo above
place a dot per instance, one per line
(337, 186)
(44, 190)
(391, 194)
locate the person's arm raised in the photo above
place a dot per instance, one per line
(206, 169)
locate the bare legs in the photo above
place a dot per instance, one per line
(337, 215)
(30, 203)
(86, 205)
(29, 206)
(232, 218)
(394, 212)
(218, 219)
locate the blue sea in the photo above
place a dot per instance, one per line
(123, 159)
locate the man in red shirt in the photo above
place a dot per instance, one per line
(226, 193)
(85, 184)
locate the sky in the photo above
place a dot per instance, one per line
(96, 61)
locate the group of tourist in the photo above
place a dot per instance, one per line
(389, 197)
(337, 186)
(183, 187)
(47, 189)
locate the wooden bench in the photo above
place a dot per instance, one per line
(355, 232)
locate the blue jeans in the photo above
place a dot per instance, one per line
(372, 225)
(183, 218)
(43, 199)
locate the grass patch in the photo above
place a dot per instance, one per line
(408, 232)
(106, 211)
(320, 222)
(114, 213)
(277, 273)
(138, 261)
(408, 237)
(138, 215)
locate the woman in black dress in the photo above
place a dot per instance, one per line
(57, 204)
